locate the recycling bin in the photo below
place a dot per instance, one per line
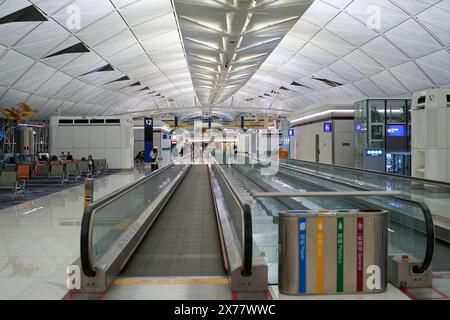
(332, 252)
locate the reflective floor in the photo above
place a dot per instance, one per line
(39, 239)
(392, 293)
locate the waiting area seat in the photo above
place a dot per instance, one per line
(8, 167)
(24, 171)
(60, 171)
(41, 171)
(9, 182)
(57, 172)
(72, 171)
(83, 168)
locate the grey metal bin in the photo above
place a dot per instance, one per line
(332, 252)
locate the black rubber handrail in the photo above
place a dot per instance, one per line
(247, 229)
(378, 173)
(428, 218)
(88, 217)
(248, 241)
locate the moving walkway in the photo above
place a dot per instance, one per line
(411, 226)
(180, 221)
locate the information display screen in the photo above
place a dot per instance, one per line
(396, 138)
(396, 130)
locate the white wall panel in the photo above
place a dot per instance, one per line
(112, 137)
(81, 136)
(96, 137)
(114, 157)
(83, 140)
(65, 137)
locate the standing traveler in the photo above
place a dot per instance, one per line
(154, 159)
(90, 161)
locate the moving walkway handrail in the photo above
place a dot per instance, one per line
(428, 218)
(378, 173)
(89, 214)
(247, 230)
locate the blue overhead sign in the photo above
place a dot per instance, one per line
(291, 132)
(148, 138)
(327, 127)
(358, 127)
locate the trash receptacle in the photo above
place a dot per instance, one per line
(332, 252)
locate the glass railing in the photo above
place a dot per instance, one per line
(240, 217)
(106, 221)
(407, 237)
(435, 194)
(410, 230)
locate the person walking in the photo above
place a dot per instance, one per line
(154, 159)
(90, 161)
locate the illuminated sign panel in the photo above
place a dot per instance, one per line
(396, 130)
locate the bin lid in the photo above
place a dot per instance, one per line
(330, 213)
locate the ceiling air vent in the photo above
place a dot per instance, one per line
(106, 68)
(28, 14)
(76, 48)
(423, 99)
(296, 84)
(329, 82)
(111, 121)
(118, 80)
(97, 121)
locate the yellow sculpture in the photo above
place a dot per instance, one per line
(23, 112)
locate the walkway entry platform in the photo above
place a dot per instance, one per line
(181, 232)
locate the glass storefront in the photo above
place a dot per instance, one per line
(383, 124)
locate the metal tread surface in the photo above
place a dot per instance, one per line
(184, 240)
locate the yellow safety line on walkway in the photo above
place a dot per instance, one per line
(171, 281)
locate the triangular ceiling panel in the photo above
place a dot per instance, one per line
(214, 53)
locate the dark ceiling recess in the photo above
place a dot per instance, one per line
(118, 80)
(146, 88)
(136, 84)
(106, 68)
(329, 82)
(28, 14)
(284, 88)
(261, 97)
(295, 83)
(267, 95)
(80, 47)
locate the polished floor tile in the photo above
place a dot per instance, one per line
(40, 238)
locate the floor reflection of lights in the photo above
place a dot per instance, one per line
(39, 239)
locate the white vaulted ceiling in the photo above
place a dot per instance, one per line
(135, 59)
(227, 41)
(333, 42)
(134, 55)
